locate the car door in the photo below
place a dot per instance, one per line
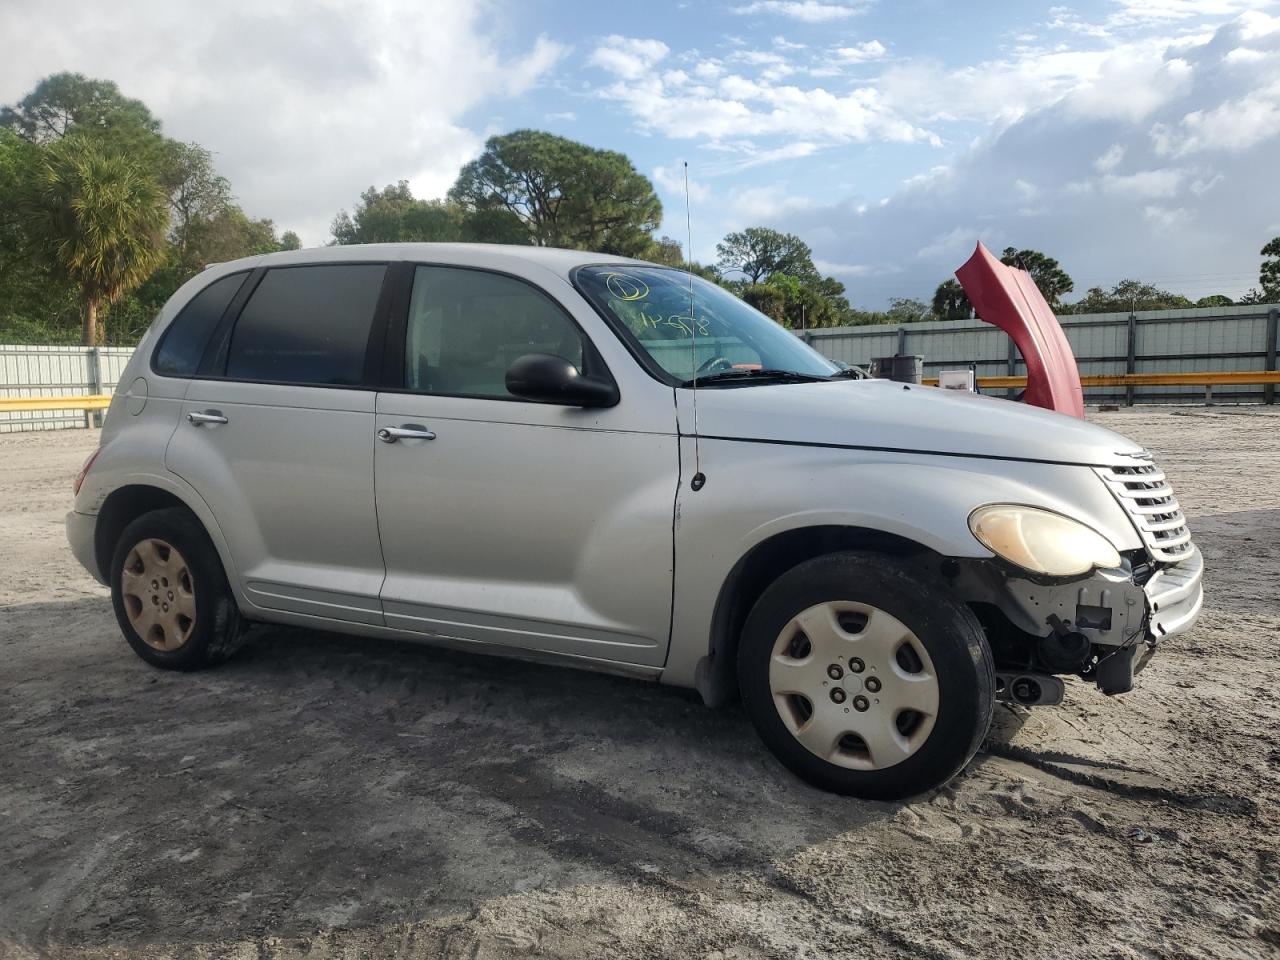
(522, 524)
(277, 436)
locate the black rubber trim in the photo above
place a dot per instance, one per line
(155, 352)
(385, 351)
(875, 449)
(213, 362)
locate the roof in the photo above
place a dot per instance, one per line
(496, 255)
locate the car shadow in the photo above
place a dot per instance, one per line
(319, 780)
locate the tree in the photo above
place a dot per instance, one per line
(394, 215)
(1216, 300)
(565, 193)
(907, 310)
(1051, 279)
(290, 241)
(64, 101)
(1125, 296)
(99, 221)
(760, 252)
(950, 302)
(197, 195)
(1269, 274)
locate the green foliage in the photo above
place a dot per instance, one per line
(107, 149)
(1269, 273)
(99, 220)
(71, 101)
(1126, 296)
(950, 302)
(394, 215)
(758, 253)
(1051, 279)
(908, 310)
(1216, 300)
(566, 194)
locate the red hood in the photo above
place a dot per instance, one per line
(1008, 298)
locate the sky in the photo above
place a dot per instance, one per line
(1128, 139)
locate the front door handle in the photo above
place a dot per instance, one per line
(209, 416)
(410, 431)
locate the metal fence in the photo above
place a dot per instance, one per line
(1156, 341)
(56, 372)
(1152, 341)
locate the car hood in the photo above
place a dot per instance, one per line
(888, 416)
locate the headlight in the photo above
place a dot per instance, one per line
(1041, 541)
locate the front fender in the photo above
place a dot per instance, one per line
(755, 491)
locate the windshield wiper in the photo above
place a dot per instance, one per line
(776, 376)
(850, 373)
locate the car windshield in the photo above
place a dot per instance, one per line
(710, 334)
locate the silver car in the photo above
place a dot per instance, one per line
(611, 464)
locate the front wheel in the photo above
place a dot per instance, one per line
(865, 677)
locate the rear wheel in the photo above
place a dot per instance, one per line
(170, 593)
(865, 677)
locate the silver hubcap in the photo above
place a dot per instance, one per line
(854, 685)
(159, 595)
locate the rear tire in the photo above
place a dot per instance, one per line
(170, 593)
(865, 677)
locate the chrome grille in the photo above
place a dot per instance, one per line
(1145, 494)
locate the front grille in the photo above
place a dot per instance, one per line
(1146, 496)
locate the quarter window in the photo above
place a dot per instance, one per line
(307, 325)
(185, 339)
(466, 327)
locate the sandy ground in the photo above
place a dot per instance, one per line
(329, 797)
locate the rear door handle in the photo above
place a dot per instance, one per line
(410, 431)
(208, 416)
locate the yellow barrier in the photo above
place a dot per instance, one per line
(1216, 379)
(98, 401)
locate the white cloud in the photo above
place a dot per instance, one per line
(762, 205)
(861, 52)
(806, 11)
(1109, 160)
(303, 105)
(628, 57)
(734, 106)
(1233, 126)
(1146, 11)
(1144, 185)
(1111, 199)
(671, 179)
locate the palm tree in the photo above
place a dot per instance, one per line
(950, 302)
(101, 221)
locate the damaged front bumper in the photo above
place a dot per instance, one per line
(1105, 627)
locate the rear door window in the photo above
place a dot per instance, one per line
(184, 341)
(307, 325)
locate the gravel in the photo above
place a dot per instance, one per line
(326, 796)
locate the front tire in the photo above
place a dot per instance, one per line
(865, 677)
(170, 593)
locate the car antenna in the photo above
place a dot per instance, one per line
(699, 479)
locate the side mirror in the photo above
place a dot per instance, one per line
(552, 379)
